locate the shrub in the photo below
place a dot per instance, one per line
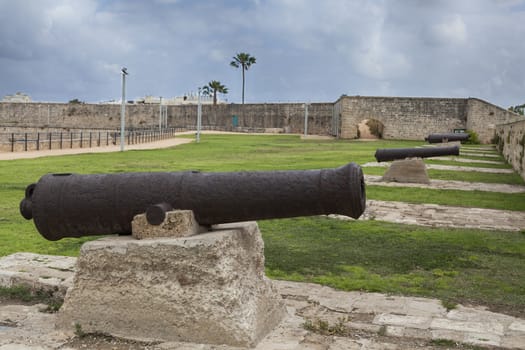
(473, 139)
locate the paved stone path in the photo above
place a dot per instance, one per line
(467, 160)
(442, 216)
(358, 320)
(480, 147)
(375, 180)
(479, 154)
(448, 167)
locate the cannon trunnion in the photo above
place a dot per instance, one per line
(72, 205)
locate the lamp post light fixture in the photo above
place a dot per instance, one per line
(123, 108)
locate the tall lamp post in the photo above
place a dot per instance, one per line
(306, 118)
(123, 108)
(199, 116)
(160, 114)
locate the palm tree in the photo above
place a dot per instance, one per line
(215, 86)
(205, 90)
(243, 60)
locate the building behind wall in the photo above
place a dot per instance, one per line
(19, 97)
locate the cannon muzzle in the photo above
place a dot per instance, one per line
(72, 205)
(388, 154)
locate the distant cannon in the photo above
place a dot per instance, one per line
(437, 138)
(388, 154)
(72, 205)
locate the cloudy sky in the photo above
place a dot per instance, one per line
(306, 50)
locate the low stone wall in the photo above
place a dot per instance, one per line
(510, 140)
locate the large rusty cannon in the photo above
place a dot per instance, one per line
(437, 138)
(388, 154)
(72, 205)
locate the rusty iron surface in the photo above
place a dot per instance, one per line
(388, 154)
(73, 205)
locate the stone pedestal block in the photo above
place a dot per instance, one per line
(178, 223)
(207, 288)
(412, 170)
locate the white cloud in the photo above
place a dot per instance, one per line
(305, 49)
(451, 30)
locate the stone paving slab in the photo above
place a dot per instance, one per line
(479, 154)
(48, 272)
(480, 147)
(442, 216)
(366, 320)
(375, 180)
(449, 167)
(468, 160)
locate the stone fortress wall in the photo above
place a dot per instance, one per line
(411, 118)
(510, 141)
(286, 116)
(402, 117)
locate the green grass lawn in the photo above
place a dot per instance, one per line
(455, 265)
(480, 267)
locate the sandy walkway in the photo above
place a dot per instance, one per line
(150, 145)
(60, 152)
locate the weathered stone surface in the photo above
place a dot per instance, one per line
(403, 319)
(441, 216)
(420, 322)
(207, 288)
(447, 144)
(178, 223)
(449, 167)
(375, 180)
(495, 328)
(468, 160)
(511, 143)
(26, 324)
(407, 170)
(37, 271)
(479, 154)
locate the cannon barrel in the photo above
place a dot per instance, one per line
(387, 154)
(72, 205)
(437, 138)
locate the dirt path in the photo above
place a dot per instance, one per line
(60, 152)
